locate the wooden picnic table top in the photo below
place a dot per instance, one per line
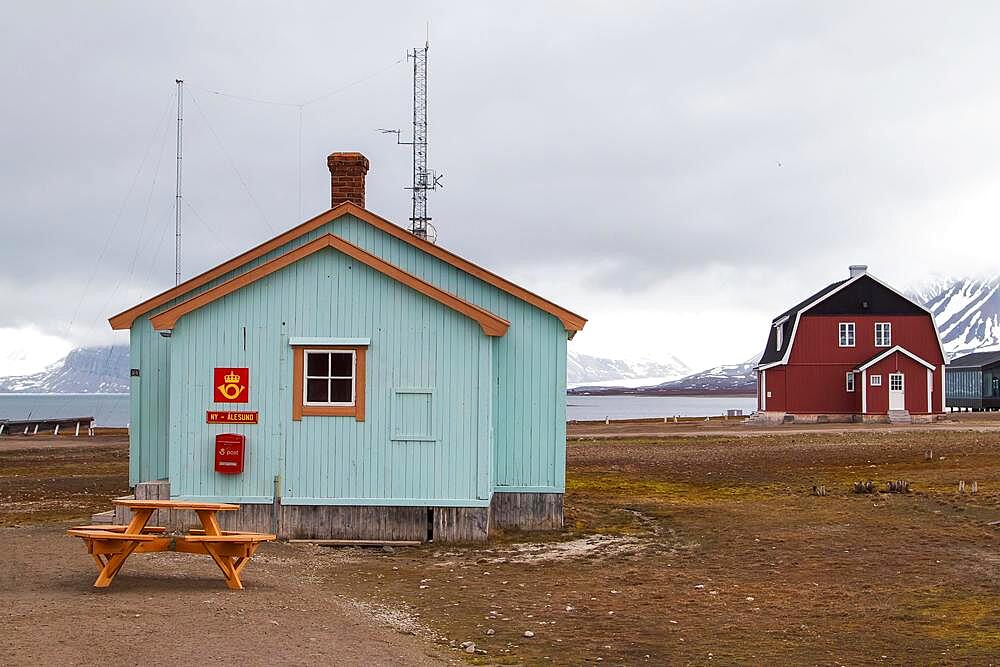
(231, 550)
(174, 504)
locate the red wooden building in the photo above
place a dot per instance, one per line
(856, 350)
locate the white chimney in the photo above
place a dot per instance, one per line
(858, 270)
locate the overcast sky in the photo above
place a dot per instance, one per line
(676, 172)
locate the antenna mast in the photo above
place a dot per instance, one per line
(424, 179)
(177, 199)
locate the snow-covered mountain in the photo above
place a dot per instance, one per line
(584, 369)
(967, 312)
(726, 379)
(85, 370)
(729, 378)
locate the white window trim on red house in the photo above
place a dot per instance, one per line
(847, 334)
(885, 340)
(798, 316)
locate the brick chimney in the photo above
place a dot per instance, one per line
(347, 178)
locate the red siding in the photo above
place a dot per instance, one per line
(816, 340)
(814, 380)
(823, 389)
(774, 385)
(914, 384)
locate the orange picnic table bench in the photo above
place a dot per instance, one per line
(110, 546)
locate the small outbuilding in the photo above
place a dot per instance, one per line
(349, 380)
(857, 350)
(974, 381)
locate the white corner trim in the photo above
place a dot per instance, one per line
(891, 351)
(864, 392)
(763, 390)
(930, 390)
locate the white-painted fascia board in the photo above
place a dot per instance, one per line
(891, 351)
(846, 284)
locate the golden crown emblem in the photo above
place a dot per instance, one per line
(231, 378)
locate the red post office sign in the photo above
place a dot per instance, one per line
(227, 417)
(232, 385)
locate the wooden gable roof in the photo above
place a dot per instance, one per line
(571, 321)
(492, 325)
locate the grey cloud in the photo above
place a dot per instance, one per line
(641, 139)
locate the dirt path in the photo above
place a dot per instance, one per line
(173, 608)
(677, 550)
(48, 441)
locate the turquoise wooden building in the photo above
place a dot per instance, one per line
(385, 387)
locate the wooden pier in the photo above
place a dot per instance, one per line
(51, 425)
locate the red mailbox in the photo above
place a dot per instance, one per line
(229, 448)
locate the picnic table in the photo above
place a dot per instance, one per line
(110, 546)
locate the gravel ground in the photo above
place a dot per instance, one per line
(677, 550)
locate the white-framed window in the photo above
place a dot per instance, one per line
(779, 335)
(849, 379)
(846, 336)
(895, 382)
(883, 334)
(329, 378)
(875, 381)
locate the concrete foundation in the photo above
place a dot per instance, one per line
(815, 418)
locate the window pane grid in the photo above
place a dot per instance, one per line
(883, 334)
(846, 334)
(329, 378)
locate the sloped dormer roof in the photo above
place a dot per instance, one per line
(786, 321)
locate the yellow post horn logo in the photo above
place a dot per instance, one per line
(231, 387)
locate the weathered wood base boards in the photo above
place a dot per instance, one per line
(527, 511)
(511, 511)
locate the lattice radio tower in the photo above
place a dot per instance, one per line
(424, 179)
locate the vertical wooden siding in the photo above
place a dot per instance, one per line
(529, 365)
(415, 342)
(529, 410)
(149, 410)
(149, 400)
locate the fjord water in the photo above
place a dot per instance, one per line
(106, 409)
(112, 409)
(589, 408)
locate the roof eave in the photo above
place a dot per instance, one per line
(570, 320)
(490, 323)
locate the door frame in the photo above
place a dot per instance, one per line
(901, 392)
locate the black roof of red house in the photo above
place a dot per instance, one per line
(859, 295)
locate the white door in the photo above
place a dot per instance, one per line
(896, 400)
